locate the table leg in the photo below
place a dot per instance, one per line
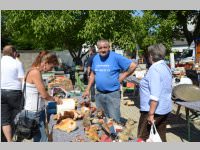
(188, 122)
(199, 79)
(178, 110)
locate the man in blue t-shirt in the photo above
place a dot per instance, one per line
(106, 67)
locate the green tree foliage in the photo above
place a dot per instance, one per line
(5, 38)
(182, 17)
(69, 29)
(47, 29)
(109, 24)
(150, 29)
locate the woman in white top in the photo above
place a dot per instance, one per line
(36, 94)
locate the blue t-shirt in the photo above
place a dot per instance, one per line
(107, 71)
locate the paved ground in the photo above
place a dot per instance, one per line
(176, 134)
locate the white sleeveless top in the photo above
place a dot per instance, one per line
(31, 95)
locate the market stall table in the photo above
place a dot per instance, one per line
(189, 106)
(61, 136)
(187, 96)
(132, 79)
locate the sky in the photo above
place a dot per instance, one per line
(138, 13)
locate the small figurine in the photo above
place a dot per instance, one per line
(100, 114)
(92, 133)
(87, 119)
(67, 125)
(128, 131)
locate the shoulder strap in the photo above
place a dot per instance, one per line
(37, 101)
(23, 92)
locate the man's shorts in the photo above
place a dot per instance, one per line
(10, 105)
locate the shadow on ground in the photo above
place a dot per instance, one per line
(182, 131)
(133, 96)
(174, 120)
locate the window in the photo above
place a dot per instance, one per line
(187, 53)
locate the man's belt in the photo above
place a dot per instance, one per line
(105, 92)
(8, 90)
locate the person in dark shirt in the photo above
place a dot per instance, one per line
(92, 53)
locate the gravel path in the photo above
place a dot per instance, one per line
(176, 134)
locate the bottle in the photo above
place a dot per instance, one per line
(113, 134)
(112, 131)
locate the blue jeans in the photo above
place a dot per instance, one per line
(110, 103)
(40, 118)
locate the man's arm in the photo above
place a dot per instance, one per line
(130, 70)
(91, 81)
(88, 71)
(20, 71)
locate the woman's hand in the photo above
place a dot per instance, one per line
(150, 119)
(58, 100)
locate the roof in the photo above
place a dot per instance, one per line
(181, 42)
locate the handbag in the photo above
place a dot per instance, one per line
(26, 128)
(154, 136)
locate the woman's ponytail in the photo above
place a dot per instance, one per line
(39, 58)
